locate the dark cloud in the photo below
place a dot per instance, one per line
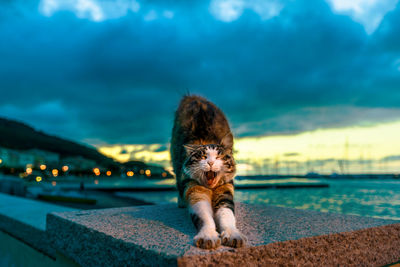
(161, 148)
(119, 80)
(291, 154)
(391, 158)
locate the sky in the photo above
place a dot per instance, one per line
(307, 85)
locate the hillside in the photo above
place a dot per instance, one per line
(17, 135)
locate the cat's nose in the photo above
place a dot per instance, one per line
(210, 163)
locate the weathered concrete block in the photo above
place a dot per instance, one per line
(162, 235)
(25, 219)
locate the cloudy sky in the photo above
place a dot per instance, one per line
(111, 73)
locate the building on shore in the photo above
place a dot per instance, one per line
(21, 159)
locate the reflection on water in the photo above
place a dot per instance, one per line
(372, 198)
(366, 198)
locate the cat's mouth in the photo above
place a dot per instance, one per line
(210, 175)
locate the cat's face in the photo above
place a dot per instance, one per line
(208, 164)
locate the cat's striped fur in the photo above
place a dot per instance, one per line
(201, 153)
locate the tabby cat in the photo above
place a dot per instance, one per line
(201, 153)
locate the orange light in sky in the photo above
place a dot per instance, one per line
(54, 172)
(43, 167)
(108, 173)
(65, 168)
(148, 173)
(164, 174)
(130, 173)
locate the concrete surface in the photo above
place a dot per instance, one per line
(25, 220)
(14, 252)
(162, 235)
(377, 246)
(12, 185)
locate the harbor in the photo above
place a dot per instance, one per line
(378, 198)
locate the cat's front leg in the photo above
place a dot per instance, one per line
(230, 235)
(225, 217)
(202, 217)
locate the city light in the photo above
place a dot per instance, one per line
(38, 178)
(43, 167)
(65, 168)
(53, 183)
(148, 173)
(130, 173)
(96, 181)
(1, 161)
(164, 174)
(54, 172)
(141, 171)
(28, 170)
(96, 171)
(108, 173)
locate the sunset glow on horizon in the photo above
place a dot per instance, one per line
(373, 149)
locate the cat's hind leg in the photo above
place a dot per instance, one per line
(224, 209)
(201, 213)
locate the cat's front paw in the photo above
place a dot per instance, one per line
(208, 239)
(233, 238)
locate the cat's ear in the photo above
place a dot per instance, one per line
(189, 148)
(227, 142)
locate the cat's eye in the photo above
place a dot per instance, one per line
(203, 157)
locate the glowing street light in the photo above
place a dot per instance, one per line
(108, 173)
(96, 171)
(54, 172)
(65, 168)
(148, 173)
(164, 174)
(42, 167)
(1, 161)
(28, 170)
(129, 173)
(38, 179)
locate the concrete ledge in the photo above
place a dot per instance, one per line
(16, 253)
(25, 220)
(377, 246)
(162, 235)
(12, 186)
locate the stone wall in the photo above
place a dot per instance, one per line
(161, 235)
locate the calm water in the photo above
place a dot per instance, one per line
(372, 198)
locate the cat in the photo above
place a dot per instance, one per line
(201, 154)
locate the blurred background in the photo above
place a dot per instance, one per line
(88, 90)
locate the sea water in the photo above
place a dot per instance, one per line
(373, 198)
